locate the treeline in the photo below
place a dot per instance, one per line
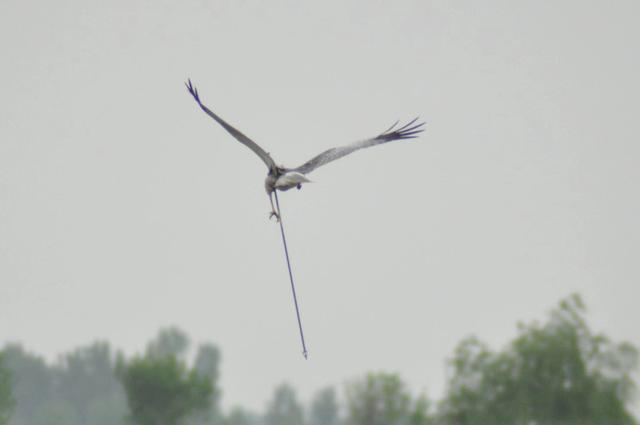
(556, 372)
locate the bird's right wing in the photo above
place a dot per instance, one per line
(234, 132)
(408, 131)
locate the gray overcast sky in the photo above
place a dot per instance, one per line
(123, 208)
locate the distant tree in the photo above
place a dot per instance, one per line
(420, 414)
(324, 408)
(240, 416)
(88, 383)
(33, 385)
(170, 341)
(207, 366)
(162, 391)
(383, 399)
(6, 397)
(81, 389)
(284, 408)
(55, 411)
(558, 373)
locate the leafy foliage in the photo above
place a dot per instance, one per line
(169, 342)
(207, 365)
(161, 391)
(81, 389)
(555, 373)
(89, 384)
(240, 416)
(6, 398)
(324, 408)
(32, 384)
(383, 399)
(284, 408)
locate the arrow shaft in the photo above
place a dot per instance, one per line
(293, 286)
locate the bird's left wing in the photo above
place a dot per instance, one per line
(408, 131)
(233, 131)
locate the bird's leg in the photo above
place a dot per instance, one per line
(273, 212)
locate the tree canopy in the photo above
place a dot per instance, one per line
(383, 399)
(324, 408)
(558, 372)
(284, 408)
(6, 397)
(161, 391)
(554, 372)
(81, 389)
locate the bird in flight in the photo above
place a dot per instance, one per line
(282, 178)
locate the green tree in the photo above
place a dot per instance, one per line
(383, 399)
(420, 414)
(162, 391)
(80, 389)
(6, 397)
(207, 366)
(240, 416)
(324, 408)
(87, 382)
(284, 408)
(170, 341)
(559, 372)
(33, 385)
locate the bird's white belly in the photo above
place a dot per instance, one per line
(290, 180)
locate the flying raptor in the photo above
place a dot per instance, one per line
(282, 178)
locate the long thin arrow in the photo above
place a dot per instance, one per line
(305, 353)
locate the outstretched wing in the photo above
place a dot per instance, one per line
(234, 132)
(408, 131)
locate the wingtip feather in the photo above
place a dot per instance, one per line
(192, 90)
(407, 125)
(407, 131)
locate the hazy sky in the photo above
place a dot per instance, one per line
(124, 208)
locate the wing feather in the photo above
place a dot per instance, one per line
(233, 131)
(407, 131)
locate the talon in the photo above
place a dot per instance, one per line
(299, 186)
(274, 214)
